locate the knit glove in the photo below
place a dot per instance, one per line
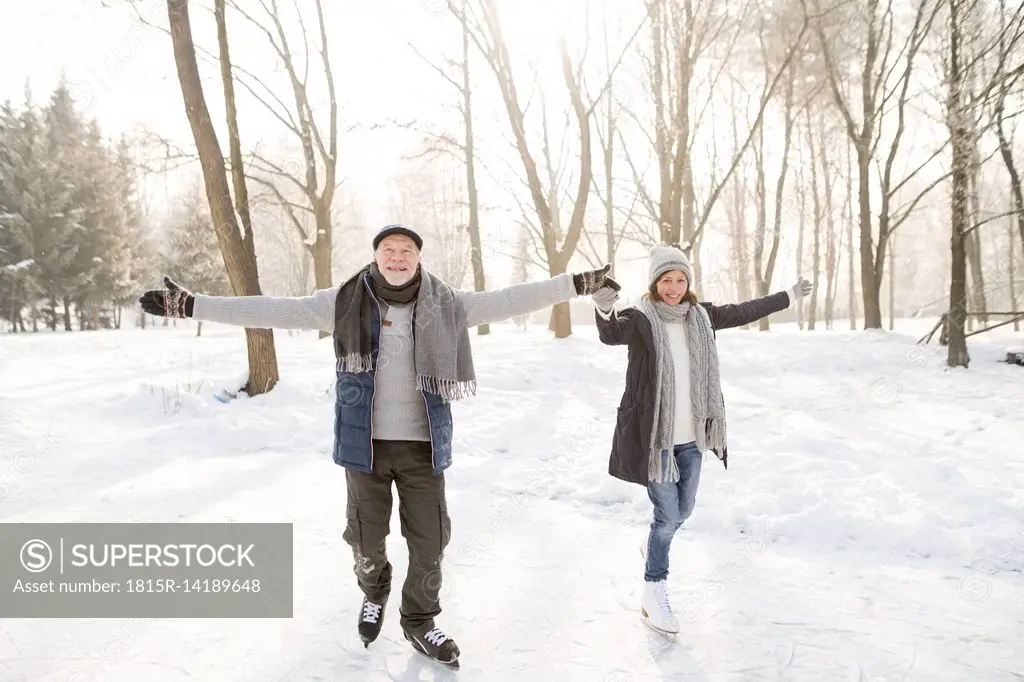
(800, 289)
(588, 282)
(604, 298)
(170, 302)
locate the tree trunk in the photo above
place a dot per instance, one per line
(961, 158)
(851, 278)
(802, 227)
(475, 244)
(892, 283)
(765, 277)
(67, 312)
(1006, 152)
(321, 252)
(199, 328)
(816, 200)
(834, 238)
(974, 257)
(869, 290)
(608, 151)
(238, 253)
(973, 245)
(737, 211)
(557, 255)
(832, 258)
(1011, 271)
(760, 227)
(561, 320)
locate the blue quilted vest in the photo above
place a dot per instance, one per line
(353, 411)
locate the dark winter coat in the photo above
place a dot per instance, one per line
(635, 421)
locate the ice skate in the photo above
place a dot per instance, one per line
(371, 618)
(435, 644)
(656, 610)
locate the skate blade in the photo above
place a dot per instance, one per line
(451, 665)
(454, 665)
(648, 623)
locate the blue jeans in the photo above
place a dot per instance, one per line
(673, 504)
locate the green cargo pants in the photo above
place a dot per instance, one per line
(423, 513)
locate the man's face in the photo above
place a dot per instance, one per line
(397, 257)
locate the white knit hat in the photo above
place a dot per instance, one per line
(664, 258)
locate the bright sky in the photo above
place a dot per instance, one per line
(123, 74)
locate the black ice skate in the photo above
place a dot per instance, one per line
(435, 644)
(371, 617)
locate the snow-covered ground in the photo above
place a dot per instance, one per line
(870, 526)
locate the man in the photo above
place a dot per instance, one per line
(401, 342)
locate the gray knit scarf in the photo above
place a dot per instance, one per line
(707, 404)
(443, 356)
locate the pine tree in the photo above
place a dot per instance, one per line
(194, 257)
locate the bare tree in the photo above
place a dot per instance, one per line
(464, 149)
(607, 129)
(286, 263)
(738, 195)
(309, 190)
(558, 242)
(521, 270)
(960, 137)
(1011, 271)
(687, 39)
(830, 174)
(1006, 80)
(876, 93)
(763, 270)
(236, 241)
(429, 193)
(319, 150)
(821, 202)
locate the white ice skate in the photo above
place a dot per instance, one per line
(656, 609)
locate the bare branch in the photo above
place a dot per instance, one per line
(998, 216)
(288, 207)
(618, 62)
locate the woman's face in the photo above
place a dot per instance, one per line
(672, 286)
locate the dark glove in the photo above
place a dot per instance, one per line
(170, 302)
(590, 281)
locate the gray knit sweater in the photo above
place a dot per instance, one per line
(399, 412)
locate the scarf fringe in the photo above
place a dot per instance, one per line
(355, 363)
(663, 468)
(449, 389)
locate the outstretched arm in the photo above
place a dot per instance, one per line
(270, 312)
(485, 307)
(738, 314)
(251, 312)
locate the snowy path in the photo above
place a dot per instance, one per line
(870, 527)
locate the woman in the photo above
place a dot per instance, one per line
(672, 409)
